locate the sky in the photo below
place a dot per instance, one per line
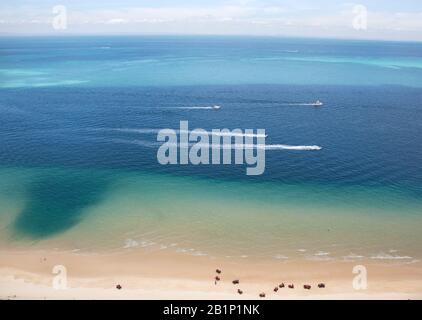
(365, 19)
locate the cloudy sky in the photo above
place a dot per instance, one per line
(386, 19)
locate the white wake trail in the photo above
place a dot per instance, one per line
(211, 133)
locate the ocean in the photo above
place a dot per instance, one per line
(79, 118)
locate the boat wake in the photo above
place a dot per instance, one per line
(288, 147)
(317, 103)
(223, 134)
(211, 133)
(223, 146)
(199, 108)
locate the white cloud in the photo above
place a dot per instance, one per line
(115, 21)
(234, 17)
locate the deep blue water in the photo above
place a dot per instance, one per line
(62, 99)
(369, 136)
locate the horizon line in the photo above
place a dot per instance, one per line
(126, 34)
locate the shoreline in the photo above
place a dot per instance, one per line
(142, 275)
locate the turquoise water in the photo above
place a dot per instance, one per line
(172, 61)
(78, 125)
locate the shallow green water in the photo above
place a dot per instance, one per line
(120, 210)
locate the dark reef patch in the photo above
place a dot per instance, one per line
(57, 202)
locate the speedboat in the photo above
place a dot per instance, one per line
(216, 107)
(317, 103)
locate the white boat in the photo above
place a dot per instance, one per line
(317, 103)
(216, 107)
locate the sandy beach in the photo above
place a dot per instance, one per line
(29, 275)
